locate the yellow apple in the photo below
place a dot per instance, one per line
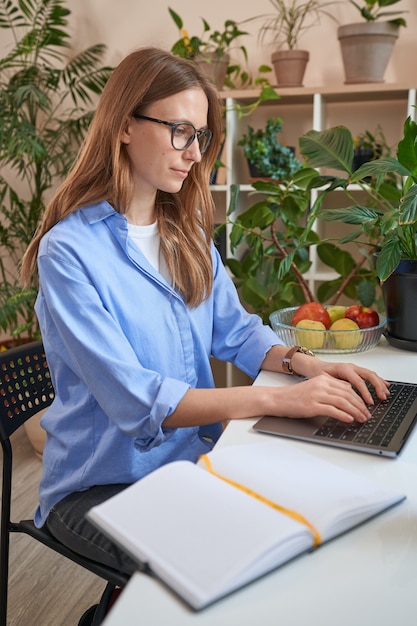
(307, 334)
(336, 312)
(347, 338)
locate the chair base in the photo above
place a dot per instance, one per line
(88, 617)
(94, 616)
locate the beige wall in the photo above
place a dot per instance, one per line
(126, 24)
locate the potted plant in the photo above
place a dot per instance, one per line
(367, 46)
(271, 240)
(266, 156)
(42, 122)
(368, 146)
(284, 27)
(43, 101)
(386, 220)
(212, 50)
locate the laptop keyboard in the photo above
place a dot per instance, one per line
(387, 415)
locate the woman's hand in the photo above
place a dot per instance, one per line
(357, 376)
(326, 395)
(337, 380)
(334, 389)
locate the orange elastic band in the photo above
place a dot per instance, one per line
(274, 505)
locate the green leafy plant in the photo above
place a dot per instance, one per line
(375, 141)
(291, 19)
(387, 218)
(221, 43)
(272, 238)
(266, 93)
(372, 10)
(368, 146)
(212, 42)
(271, 242)
(266, 154)
(44, 115)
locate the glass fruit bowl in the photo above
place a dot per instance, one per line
(336, 341)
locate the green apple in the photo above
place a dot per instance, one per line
(308, 335)
(336, 312)
(347, 338)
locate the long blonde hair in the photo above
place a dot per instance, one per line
(102, 170)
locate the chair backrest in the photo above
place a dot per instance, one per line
(25, 389)
(25, 386)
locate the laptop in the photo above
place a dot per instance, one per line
(384, 434)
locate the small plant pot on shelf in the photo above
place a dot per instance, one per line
(214, 67)
(255, 174)
(290, 67)
(361, 156)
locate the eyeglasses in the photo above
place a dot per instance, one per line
(183, 133)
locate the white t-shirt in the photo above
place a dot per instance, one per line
(147, 239)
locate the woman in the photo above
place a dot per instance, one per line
(134, 299)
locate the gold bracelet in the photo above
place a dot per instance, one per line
(286, 361)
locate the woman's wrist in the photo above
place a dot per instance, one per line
(288, 362)
(304, 365)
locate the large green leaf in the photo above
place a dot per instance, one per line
(234, 199)
(254, 293)
(408, 207)
(388, 258)
(332, 148)
(258, 215)
(407, 147)
(378, 168)
(366, 292)
(340, 260)
(355, 214)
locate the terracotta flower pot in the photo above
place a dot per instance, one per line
(214, 67)
(290, 66)
(366, 50)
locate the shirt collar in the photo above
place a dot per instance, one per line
(100, 211)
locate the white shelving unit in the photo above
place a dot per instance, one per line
(359, 107)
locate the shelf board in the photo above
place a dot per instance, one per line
(334, 93)
(219, 188)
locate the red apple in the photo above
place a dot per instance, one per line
(311, 311)
(364, 316)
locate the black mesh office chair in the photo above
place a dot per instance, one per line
(25, 389)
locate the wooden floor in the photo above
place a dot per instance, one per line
(45, 588)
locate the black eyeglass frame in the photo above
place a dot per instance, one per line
(202, 132)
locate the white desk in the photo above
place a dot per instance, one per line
(367, 577)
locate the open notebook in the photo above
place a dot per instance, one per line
(206, 530)
(384, 434)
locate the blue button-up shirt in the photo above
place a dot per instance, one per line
(123, 348)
